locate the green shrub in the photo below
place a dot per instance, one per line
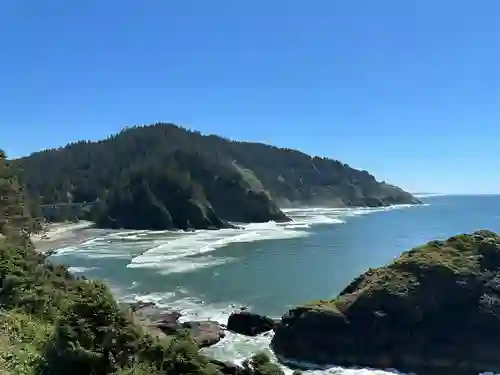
(22, 338)
(53, 323)
(260, 364)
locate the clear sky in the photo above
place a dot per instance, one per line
(409, 90)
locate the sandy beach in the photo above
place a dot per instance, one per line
(58, 235)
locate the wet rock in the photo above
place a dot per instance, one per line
(204, 333)
(169, 322)
(141, 320)
(141, 305)
(249, 324)
(227, 368)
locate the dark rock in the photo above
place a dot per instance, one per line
(141, 305)
(434, 310)
(142, 320)
(205, 333)
(247, 323)
(227, 368)
(169, 322)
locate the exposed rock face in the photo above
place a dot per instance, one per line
(435, 310)
(205, 333)
(169, 322)
(140, 305)
(227, 368)
(162, 324)
(247, 323)
(135, 312)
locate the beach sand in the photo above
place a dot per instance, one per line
(58, 235)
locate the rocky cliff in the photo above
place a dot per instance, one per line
(434, 310)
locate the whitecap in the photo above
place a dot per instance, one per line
(187, 252)
(320, 219)
(80, 269)
(64, 251)
(429, 195)
(191, 308)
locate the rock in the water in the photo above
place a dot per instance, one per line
(141, 320)
(434, 310)
(140, 305)
(227, 368)
(249, 324)
(169, 322)
(205, 333)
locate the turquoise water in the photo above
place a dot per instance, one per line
(270, 267)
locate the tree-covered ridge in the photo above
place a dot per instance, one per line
(238, 181)
(52, 323)
(15, 219)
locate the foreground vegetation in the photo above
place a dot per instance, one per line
(52, 323)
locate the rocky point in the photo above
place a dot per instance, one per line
(434, 310)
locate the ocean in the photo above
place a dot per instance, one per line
(270, 267)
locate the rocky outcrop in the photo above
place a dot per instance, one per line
(205, 333)
(164, 323)
(249, 324)
(140, 305)
(227, 368)
(434, 310)
(169, 322)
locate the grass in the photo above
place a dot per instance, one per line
(458, 256)
(22, 338)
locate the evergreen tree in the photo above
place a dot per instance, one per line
(14, 211)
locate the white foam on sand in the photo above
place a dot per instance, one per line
(52, 232)
(92, 250)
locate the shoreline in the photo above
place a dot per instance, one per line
(55, 236)
(58, 235)
(234, 348)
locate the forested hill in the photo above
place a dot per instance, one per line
(180, 178)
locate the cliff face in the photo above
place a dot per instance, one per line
(219, 180)
(435, 310)
(184, 192)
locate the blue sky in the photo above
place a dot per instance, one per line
(409, 90)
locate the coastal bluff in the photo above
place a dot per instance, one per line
(434, 310)
(162, 176)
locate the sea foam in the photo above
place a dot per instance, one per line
(190, 251)
(173, 252)
(235, 347)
